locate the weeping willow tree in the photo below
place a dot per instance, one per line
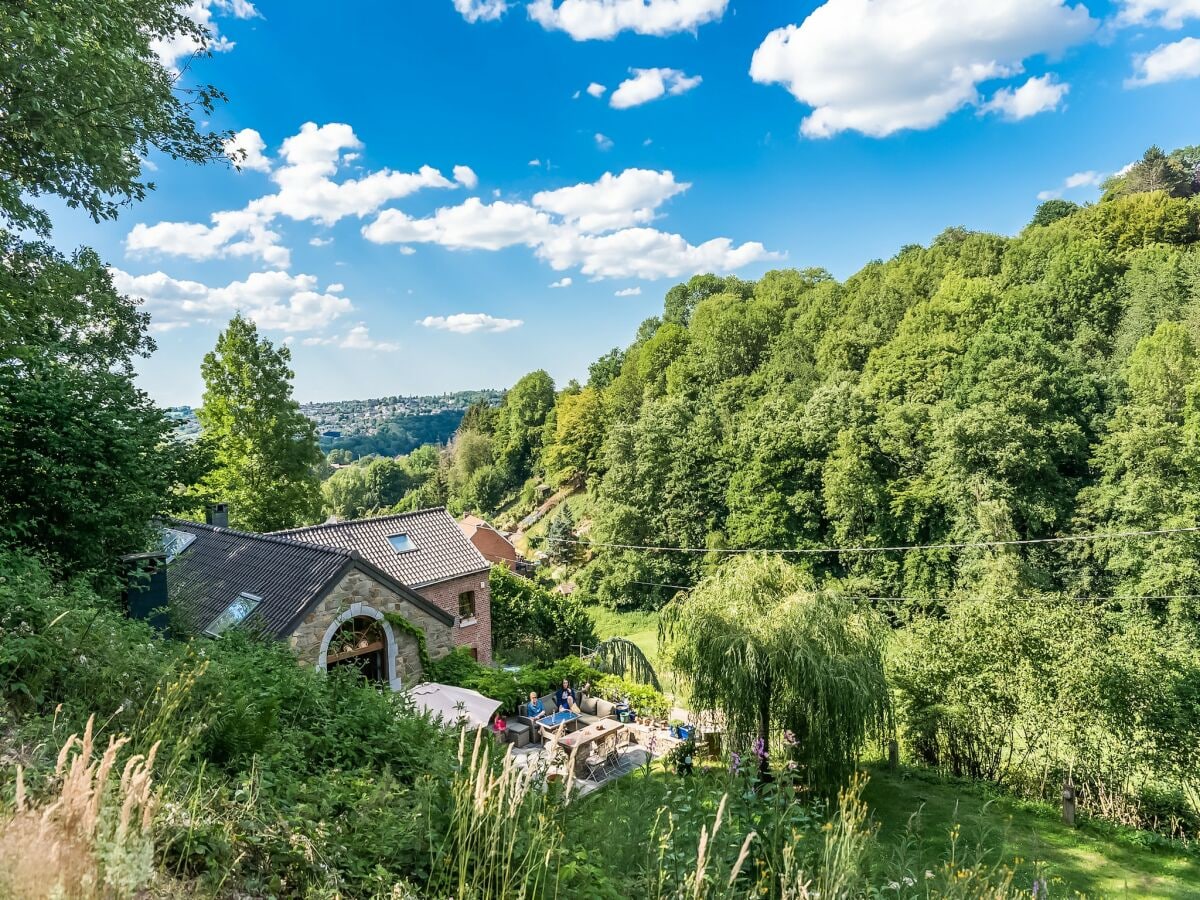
(623, 658)
(755, 643)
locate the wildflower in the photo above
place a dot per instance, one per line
(928, 873)
(791, 766)
(893, 886)
(760, 748)
(789, 738)
(735, 762)
(908, 880)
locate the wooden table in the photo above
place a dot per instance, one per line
(581, 741)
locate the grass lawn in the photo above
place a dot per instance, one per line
(1091, 860)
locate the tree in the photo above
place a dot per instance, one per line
(84, 97)
(534, 624)
(264, 449)
(561, 537)
(574, 454)
(86, 459)
(1155, 171)
(520, 425)
(1053, 210)
(756, 643)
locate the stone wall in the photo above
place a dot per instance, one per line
(477, 634)
(359, 587)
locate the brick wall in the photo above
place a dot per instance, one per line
(445, 595)
(494, 548)
(357, 586)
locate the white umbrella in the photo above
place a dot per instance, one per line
(454, 704)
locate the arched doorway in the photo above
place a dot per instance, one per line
(360, 644)
(361, 637)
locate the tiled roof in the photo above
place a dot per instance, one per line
(221, 564)
(442, 550)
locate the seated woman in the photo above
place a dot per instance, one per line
(534, 709)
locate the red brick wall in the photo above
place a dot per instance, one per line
(494, 548)
(445, 595)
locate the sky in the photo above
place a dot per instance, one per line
(440, 195)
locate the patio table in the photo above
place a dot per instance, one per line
(582, 740)
(558, 718)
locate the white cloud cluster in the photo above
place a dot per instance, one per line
(274, 300)
(629, 292)
(603, 141)
(1037, 95)
(596, 89)
(357, 338)
(880, 66)
(587, 20)
(468, 323)
(307, 191)
(1072, 182)
(179, 49)
(1167, 62)
(596, 226)
(481, 10)
(650, 84)
(563, 282)
(1166, 13)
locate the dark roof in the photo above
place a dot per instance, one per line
(442, 550)
(221, 564)
(289, 575)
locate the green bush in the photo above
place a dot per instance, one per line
(645, 700)
(510, 688)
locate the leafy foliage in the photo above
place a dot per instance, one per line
(264, 449)
(529, 623)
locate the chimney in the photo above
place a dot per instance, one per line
(217, 515)
(145, 592)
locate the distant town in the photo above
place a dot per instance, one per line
(387, 426)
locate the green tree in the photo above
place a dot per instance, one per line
(264, 449)
(1053, 210)
(757, 643)
(83, 98)
(561, 536)
(1155, 171)
(531, 624)
(520, 426)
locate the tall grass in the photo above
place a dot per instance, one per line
(91, 835)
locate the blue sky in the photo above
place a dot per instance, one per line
(419, 174)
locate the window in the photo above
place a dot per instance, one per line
(401, 543)
(234, 614)
(466, 605)
(175, 542)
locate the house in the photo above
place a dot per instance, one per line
(494, 545)
(426, 551)
(333, 607)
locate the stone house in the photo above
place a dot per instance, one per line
(426, 551)
(494, 545)
(333, 607)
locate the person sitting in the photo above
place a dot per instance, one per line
(534, 709)
(498, 724)
(565, 698)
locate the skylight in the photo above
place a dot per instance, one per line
(234, 614)
(401, 543)
(175, 542)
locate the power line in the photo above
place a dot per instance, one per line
(817, 551)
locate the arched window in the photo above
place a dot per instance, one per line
(360, 643)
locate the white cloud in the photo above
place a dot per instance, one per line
(1167, 62)
(1073, 182)
(596, 89)
(274, 300)
(535, 162)
(562, 282)
(880, 66)
(1037, 95)
(468, 323)
(629, 292)
(650, 84)
(603, 19)
(466, 176)
(246, 150)
(614, 201)
(359, 338)
(646, 253)
(1166, 13)
(603, 141)
(179, 49)
(320, 242)
(306, 192)
(481, 10)
(585, 225)
(472, 225)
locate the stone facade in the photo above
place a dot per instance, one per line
(467, 633)
(358, 593)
